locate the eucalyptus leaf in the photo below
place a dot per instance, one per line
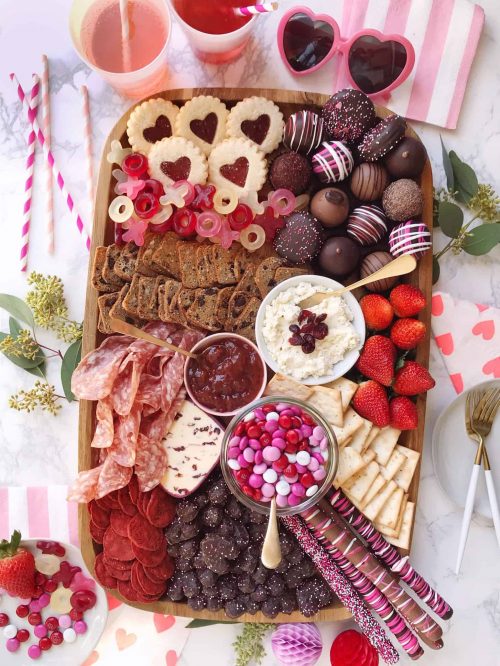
(466, 183)
(21, 361)
(451, 219)
(197, 624)
(436, 270)
(482, 239)
(14, 327)
(70, 360)
(448, 169)
(39, 371)
(17, 308)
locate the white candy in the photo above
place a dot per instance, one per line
(47, 564)
(249, 416)
(270, 475)
(292, 457)
(283, 487)
(272, 416)
(234, 464)
(69, 635)
(311, 491)
(10, 631)
(325, 455)
(303, 458)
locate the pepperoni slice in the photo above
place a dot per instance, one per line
(119, 523)
(146, 585)
(117, 546)
(97, 533)
(161, 508)
(143, 534)
(127, 591)
(150, 558)
(121, 565)
(99, 515)
(102, 575)
(165, 569)
(125, 502)
(133, 490)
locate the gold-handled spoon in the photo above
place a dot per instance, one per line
(404, 264)
(271, 549)
(120, 326)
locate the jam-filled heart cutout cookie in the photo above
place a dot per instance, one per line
(151, 122)
(259, 120)
(237, 164)
(202, 120)
(176, 159)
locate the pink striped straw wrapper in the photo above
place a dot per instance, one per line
(48, 170)
(50, 158)
(28, 187)
(252, 10)
(87, 143)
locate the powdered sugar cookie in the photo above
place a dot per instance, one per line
(176, 159)
(151, 122)
(237, 164)
(259, 120)
(202, 120)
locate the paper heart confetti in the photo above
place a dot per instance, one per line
(91, 659)
(163, 622)
(113, 602)
(171, 658)
(123, 639)
(458, 382)
(117, 153)
(445, 343)
(492, 367)
(486, 329)
(437, 305)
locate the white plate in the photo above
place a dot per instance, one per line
(66, 654)
(453, 455)
(340, 368)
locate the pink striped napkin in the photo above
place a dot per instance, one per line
(444, 34)
(131, 636)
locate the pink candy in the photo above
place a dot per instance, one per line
(271, 453)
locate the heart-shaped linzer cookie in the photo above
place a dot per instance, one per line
(162, 129)
(123, 639)
(205, 128)
(257, 130)
(178, 170)
(236, 172)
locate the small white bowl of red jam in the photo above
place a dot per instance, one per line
(227, 374)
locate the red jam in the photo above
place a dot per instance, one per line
(226, 375)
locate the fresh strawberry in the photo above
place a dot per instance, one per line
(377, 359)
(413, 378)
(407, 300)
(407, 333)
(370, 401)
(17, 568)
(403, 412)
(377, 311)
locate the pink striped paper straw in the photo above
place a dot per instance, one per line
(50, 158)
(252, 10)
(30, 165)
(48, 170)
(87, 143)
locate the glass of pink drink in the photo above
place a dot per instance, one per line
(135, 68)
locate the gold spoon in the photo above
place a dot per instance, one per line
(120, 326)
(271, 549)
(404, 264)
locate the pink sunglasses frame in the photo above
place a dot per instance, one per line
(342, 47)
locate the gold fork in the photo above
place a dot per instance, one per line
(478, 425)
(471, 402)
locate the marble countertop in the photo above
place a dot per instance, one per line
(43, 447)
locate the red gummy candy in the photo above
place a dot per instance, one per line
(83, 600)
(269, 223)
(203, 197)
(51, 548)
(65, 574)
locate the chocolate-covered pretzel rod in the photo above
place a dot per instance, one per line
(336, 534)
(389, 554)
(342, 588)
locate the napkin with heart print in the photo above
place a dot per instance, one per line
(467, 336)
(131, 636)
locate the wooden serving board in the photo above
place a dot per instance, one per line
(103, 234)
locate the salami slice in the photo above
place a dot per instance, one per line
(149, 392)
(97, 533)
(104, 431)
(112, 477)
(150, 462)
(143, 534)
(161, 508)
(94, 377)
(117, 573)
(125, 440)
(100, 516)
(121, 565)
(125, 388)
(104, 578)
(119, 522)
(165, 569)
(152, 577)
(84, 488)
(150, 558)
(116, 546)
(146, 584)
(126, 505)
(173, 371)
(127, 591)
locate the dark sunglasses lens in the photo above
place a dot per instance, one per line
(306, 42)
(375, 65)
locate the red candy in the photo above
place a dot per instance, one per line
(23, 635)
(290, 470)
(307, 480)
(65, 574)
(243, 475)
(292, 437)
(285, 421)
(4, 619)
(265, 439)
(184, 222)
(45, 643)
(22, 611)
(34, 619)
(52, 623)
(50, 586)
(56, 638)
(152, 186)
(51, 548)
(38, 592)
(40, 578)
(280, 464)
(75, 615)
(240, 218)
(146, 205)
(203, 197)
(254, 432)
(269, 223)
(83, 600)
(135, 165)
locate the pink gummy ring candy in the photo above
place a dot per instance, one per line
(282, 201)
(208, 224)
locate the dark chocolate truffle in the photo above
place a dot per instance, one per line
(333, 162)
(407, 160)
(382, 138)
(402, 200)
(410, 238)
(303, 131)
(367, 225)
(339, 257)
(330, 206)
(348, 115)
(301, 238)
(291, 171)
(368, 181)
(374, 262)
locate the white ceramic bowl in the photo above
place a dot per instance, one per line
(340, 368)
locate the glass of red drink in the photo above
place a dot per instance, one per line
(215, 32)
(136, 68)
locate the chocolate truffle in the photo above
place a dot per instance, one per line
(333, 162)
(348, 115)
(367, 225)
(330, 206)
(410, 238)
(291, 171)
(382, 138)
(402, 200)
(407, 160)
(339, 257)
(301, 238)
(303, 131)
(368, 181)
(373, 262)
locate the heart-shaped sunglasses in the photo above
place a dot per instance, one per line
(375, 63)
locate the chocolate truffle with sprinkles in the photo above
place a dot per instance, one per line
(407, 160)
(382, 138)
(291, 171)
(301, 239)
(367, 225)
(368, 181)
(348, 114)
(333, 162)
(303, 131)
(402, 200)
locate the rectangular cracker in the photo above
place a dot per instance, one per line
(283, 274)
(384, 444)
(328, 403)
(205, 265)
(113, 253)
(105, 303)
(352, 422)
(186, 253)
(347, 390)
(403, 541)
(245, 324)
(226, 267)
(376, 487)
(264, 275)
(166, 294)
(404, 475)
(373, 433)
(146, 292)
(360, 437)
(245, 258)
(165, 258)
(131, 299)
(247, 284)
(387, 531)
(237, 303)
(203, 309)
(350, 463)
(126, 263)
(389, 513)
(118, 312)
(154, 303)
(288, 388)
(359, 484)
(98, 281)
(185, 299)
(372, 509)
(145, 255)
(393, 464)
(221, 308)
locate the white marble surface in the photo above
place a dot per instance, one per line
(43, 449)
